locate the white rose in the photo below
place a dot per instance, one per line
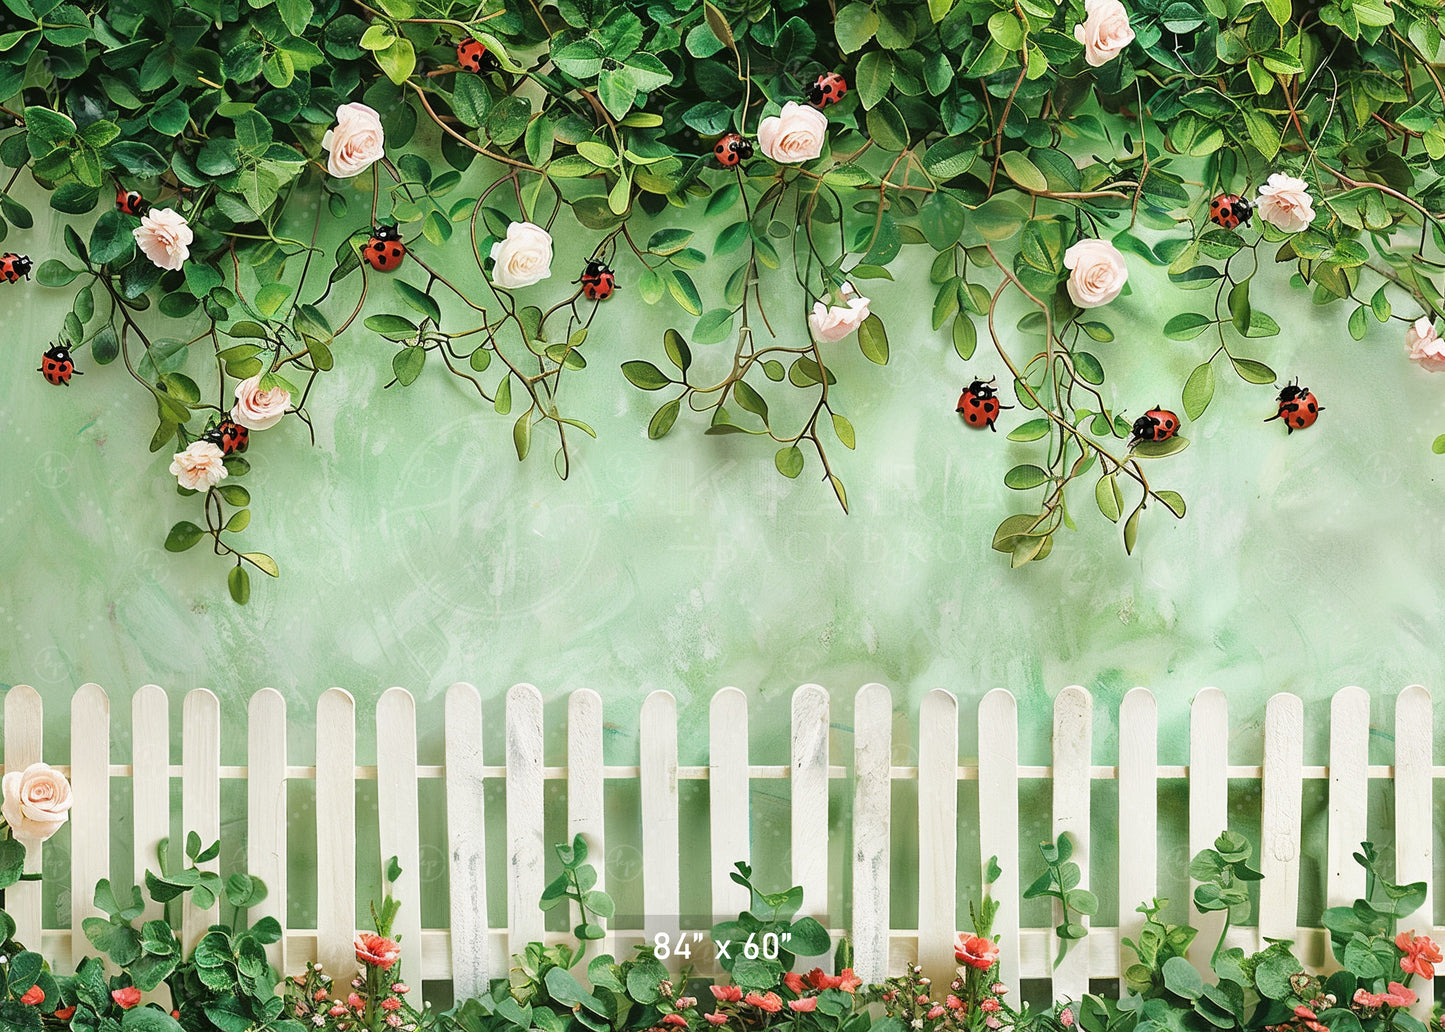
(1285, 203)
(1104, 32)
(37, 801)
(164, 237)
(199, 467)
(523, 258)
(1097, 272)
(256, 409)
(1424, 345)
(355, 143)
(793, 135)
(834, 322)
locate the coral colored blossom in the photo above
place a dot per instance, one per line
(1421, 954)
(716, 1018)
(65, 1013)
(989, 1005)
(936, 1011)
(770, 1001)
(674, 1019)
(807, 1003)
(976, 952)
(726, 993)
(794, 982)
(376, 951)
(126, 998)
(848, 981)
(954, 1002)
(391, 1003)
(355, 1001)
(33, 995)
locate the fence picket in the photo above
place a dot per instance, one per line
(466, 842)
(1349, 795)
(729, 805)
(1279, 834)
(1414, 821)
(872, 814)
(1208, 803)
(584, 787)
(1073, 751)
(998, 822)
(937, 834)
(1138, 812)
(151, 785)
(810, 798)
(90, 812)
(336, 831)
(267, 810)
(526, 860)
(24, 745)
(200, 796)
(657, 754)
(399, 819)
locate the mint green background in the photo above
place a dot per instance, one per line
(416, 551)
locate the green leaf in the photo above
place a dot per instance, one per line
(398, 61)
(1357, 325)
(873, 340)
(1024, 477)
(522, 441)
(1131, 531)
(1254, 372)
(663, 419)
(183, 535)
(1198, 390)
(1030, 431)
(1019, 168)
(844, 430)
(684, 292)
(263, 562)
(645, 375)
(407, 364)
(873, 77)
(239, 583)
(789, 461)
(714, 326)
(1160, 449)
(1239, 309)
(1187, 326)
(854, 26)
(1174, 500)
(1108, 497)
(887, 127)
(55, 273)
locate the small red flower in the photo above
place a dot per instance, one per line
(126, 998)
(805, 1005)
(989, 1005)
(337, 1010)
(770, 1001)
(391, 1003)
(976, 952)
(33, 995)
(676, 1020)
(401, 988)
(320, 994)
(847, 981)
(727, 993)
(716, 1018)
(356, 1002)
(376, 951)
(176, 1013)
(1304, 1012)
(1421, 954)
(936, 1011)
(65, 1013)
(954, 1002)
(794, 982)
(1399, 995)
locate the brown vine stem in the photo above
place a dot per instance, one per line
(502, 158)
(1003, 121)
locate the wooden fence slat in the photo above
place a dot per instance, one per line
(526, 860)
(151, 783)
(729, 803)
(1414, 808)
(200, 795)
(657, 755)
(872, 836)
(998, 822)
(90, 812)
(1284, 727)
(810, 798)
(399, 818)
(24, 745)
(937, 834)
(1073, 749)
(1349, 795)
(466, 842)
(336, 830)
(267, 810)
(1138, 811)
(1208, 803)
(584, 788)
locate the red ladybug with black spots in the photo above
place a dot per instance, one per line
(1158, 424)
(58, 367)
(14, 266)
(384, 251)
(1230, 211)
(731, 150)
(229, 436)
(1298, 407)
(598, 282)
(829, 88)
(979, 405)
(131, 202)
(472, 55)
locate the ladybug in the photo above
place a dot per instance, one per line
(829, 88)
(229, 436)
(732, 149)
(980, 405)
(598, 283)
(385, 250)
(1230, 210)
(131, 202)
(1158, 424)
(57, 366)
(470, 54)
(13, 266)
(1298, 407)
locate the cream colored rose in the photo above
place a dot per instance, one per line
(1096, 272)
(1104, 32)
(795, 134)
(523, 258)
(199, 467)
(1285, 203)
(355, 143)
(164, 237)
(834, 322)
(1424, 345)
(37, 801)
(256, 409)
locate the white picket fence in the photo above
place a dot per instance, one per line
(470, 951)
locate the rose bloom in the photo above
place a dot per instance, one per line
(199, 467)
(1421, 953)
(1104, 32)
(37, 801)
(256, 409)
(523, 258)
(1097, 272)
(976, 952)
(373, 950)
(1284, 202)
(795, 134)
(355, 143)
(807, 1003)
(34, 995)
(164, 237)
(126, 998)
(834, 322)
(726, 993)
(1424, 346)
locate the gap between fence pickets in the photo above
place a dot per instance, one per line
(473, 951)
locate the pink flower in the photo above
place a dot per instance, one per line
(847, 981)
(1285, 203)
(355, 143)
(807, 1003)
(726, 993)
(793, 135)
(256, 409)
(376, 951)
(320, 994)
(394, 1020)
(199, 467)
(834, 322)
(33, 995)
(793, 981)
(920, 1000)
(126, 998)
(1105, 32)
(1097, 272)
(684, 1002)
(1424, 346)
(998, 989)
(716, 1018)
(1399, 995)
(770, 1001)
(953, 1002)
(355, 1002)
(36, 800)
(1066, 1018)
(336, 1010)
(991, 1005)
(400, 987)
(936, 1011)
(164, 237)
(674, 1019)
(1421, 954)
(976, 952)
(391, 1003)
